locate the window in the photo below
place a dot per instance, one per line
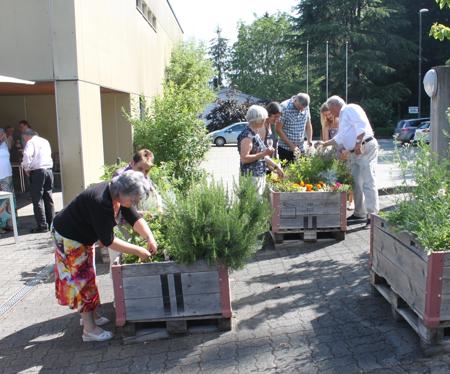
(146, 12)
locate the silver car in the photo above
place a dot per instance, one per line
(228, 135)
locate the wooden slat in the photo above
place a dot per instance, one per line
(202, 304)
(142, 287)
(200, 283)
(323, 221)
(405, 258)
(400, 282)
(170, 267)
(152, 309)
(145, 309)
(310, 203)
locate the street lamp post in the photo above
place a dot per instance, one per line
(419, 104)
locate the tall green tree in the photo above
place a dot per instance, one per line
(262, 63)
(220, 56)
(171, 128)
(375, 49)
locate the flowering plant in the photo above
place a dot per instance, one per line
(320, 172)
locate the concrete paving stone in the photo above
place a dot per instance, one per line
(342, 364)
(115, 363)
(191, 368)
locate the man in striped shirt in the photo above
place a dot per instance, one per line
(295, 121)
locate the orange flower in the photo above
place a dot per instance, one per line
(309, 187)
(319, 186)
(302, 184)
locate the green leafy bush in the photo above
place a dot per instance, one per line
(157, 225)
(208, 224)
(425, 212)
(171, 127)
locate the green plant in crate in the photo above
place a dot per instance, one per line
(208, 224)
(425, 212)
(157, 225)
(321, 171)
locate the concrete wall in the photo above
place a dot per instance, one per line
(106, 42)
(126, 54)
(39, 110)
(117, 131)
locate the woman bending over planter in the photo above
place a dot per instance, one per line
(91, 216)
(254, 154)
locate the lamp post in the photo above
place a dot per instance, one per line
(419, 104)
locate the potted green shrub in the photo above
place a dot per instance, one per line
(311, 198)
(409, 249)
(206, 232)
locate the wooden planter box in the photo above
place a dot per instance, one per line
(308, 213)
(416, 284)
(166, 291)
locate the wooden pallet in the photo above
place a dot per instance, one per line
(307, 235)
(309, 214)
(137, 332)
(432, 340)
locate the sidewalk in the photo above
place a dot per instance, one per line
(303, 308)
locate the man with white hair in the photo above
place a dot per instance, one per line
(295, 120)
(355, 134)
(37, 163)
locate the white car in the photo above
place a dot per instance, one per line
(228, 135)
(423, 133)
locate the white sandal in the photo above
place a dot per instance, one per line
(100, 321)
(103, 336)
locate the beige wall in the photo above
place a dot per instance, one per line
(119, 49)
(106, 42)
(117, 131)
(39, 110)
(80, 136)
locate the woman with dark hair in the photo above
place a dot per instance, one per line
(91, 217)
(271, 138)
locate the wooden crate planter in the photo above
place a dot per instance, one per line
(308, 213)
(173, 293)
(416, 284)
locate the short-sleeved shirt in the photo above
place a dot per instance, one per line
(256, 168)
(90, 216)
(294, 123)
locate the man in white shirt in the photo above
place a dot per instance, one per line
(355, 134)
(37, 163)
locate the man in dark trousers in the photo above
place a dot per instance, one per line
(37, 163)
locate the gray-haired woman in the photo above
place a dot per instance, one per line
(254, 154)
(90, 217)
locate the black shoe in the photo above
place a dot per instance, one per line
(38, 230)
(367, 226)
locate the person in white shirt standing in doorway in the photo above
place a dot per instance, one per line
(37, 163)
(355, 134)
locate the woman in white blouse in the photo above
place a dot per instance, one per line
(6, 184)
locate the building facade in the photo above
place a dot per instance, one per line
(91, 61)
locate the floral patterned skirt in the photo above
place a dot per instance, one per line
(75, 278)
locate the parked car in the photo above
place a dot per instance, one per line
(228, 135)
(423, 133)
(406, 128)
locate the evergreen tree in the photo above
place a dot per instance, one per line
(375, 49)
(220, 56)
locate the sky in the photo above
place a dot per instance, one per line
(200, 18)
